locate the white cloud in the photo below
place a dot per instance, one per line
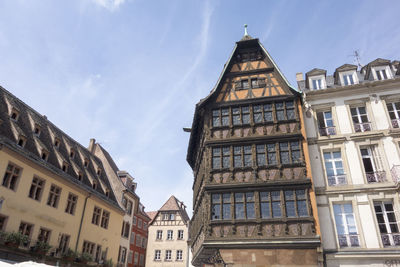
(109, 4)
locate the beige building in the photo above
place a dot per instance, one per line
(168, 235)
(53, 189)
(352, 121)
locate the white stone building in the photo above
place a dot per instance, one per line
(352, 122)
(168, 236)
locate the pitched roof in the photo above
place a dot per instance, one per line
(172, 204)
(374, 63)
(247, 40)
(28, 117)
(152, 215)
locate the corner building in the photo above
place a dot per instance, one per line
(352, 120)
(253, 198)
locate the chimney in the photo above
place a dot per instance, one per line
(91, 145)
(299, 76)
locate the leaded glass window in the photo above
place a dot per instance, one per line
(220, 157)
(276, 204)
(284, 152)
(265, 205)
(257, 114)
(236, 116)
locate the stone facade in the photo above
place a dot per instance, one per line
(352, 122)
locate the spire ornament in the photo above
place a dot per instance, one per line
(245, 30)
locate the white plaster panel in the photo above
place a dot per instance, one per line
(391, 152)
(322, 200)
(379, 114)
(362, 198)
(310, 126)
(343, 117)
(354, 163)
(368, 226)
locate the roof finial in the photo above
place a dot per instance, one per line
(245, 30)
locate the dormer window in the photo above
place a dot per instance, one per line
(107, 193)
(381, 74)
(64, 167)
(14, 114)
(80, 176)
(94, 185)
(21, 141)
(85, 162)
(317, 83)
(44, 155)
(348, 78)
(57, 142)
(98, 171)
(72, 153)
(36, 130)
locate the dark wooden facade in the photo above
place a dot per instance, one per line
(252, 190)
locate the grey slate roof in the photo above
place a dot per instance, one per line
(10, 130)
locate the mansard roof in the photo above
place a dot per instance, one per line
(11, 130)
(246, 42)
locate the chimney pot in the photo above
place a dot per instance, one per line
(299, 76)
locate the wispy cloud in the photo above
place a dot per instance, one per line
(111, 5)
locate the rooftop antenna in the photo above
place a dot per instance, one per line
(245, 30)
(357, 58)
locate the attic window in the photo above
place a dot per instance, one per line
(44, 155)
(14, 114)
(36, 130)
(244, 84)
(80, 176)
(85, 162)
(21, 141)
(98, 171)
(64, 167)
(94, 184)
(57, 142)
(381, 74)
(107, 193)
(72, 153)
(348, 78)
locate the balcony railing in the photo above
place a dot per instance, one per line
(337, 180)
(376, 177)
(349, 240)
(395, 171)
(362, 127)
(392, 239)
(395, 123)
(327, 131)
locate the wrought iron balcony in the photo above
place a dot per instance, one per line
(396, 123)
(327, 131)
(376, 177)
(337, 180)
(349, 240)
(362, 127)
(395, 171)
(390, 240)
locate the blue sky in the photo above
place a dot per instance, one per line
(129, 72)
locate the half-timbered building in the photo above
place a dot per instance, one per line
(168, 235)
(253, 199)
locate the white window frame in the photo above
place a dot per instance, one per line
(180, 234)
(377, 163)
(344, 76)
(395, 112)
(157, 255)
(346, 225)
(159, 235)
(333, 161)
(170, 234)
(168, 255)
(380, 69)
(320, 86)
(179, 255)
(358, 116)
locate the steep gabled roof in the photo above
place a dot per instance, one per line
(172, 204)
(151, 215)
(245, 41)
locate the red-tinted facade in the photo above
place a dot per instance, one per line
(138, 239)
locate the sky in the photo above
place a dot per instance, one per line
(130, 72)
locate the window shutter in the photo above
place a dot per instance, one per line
(320, 118)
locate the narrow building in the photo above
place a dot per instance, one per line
(132, 246)
(352, 120)
(253, 198)
(168, 236)
(53, 190)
